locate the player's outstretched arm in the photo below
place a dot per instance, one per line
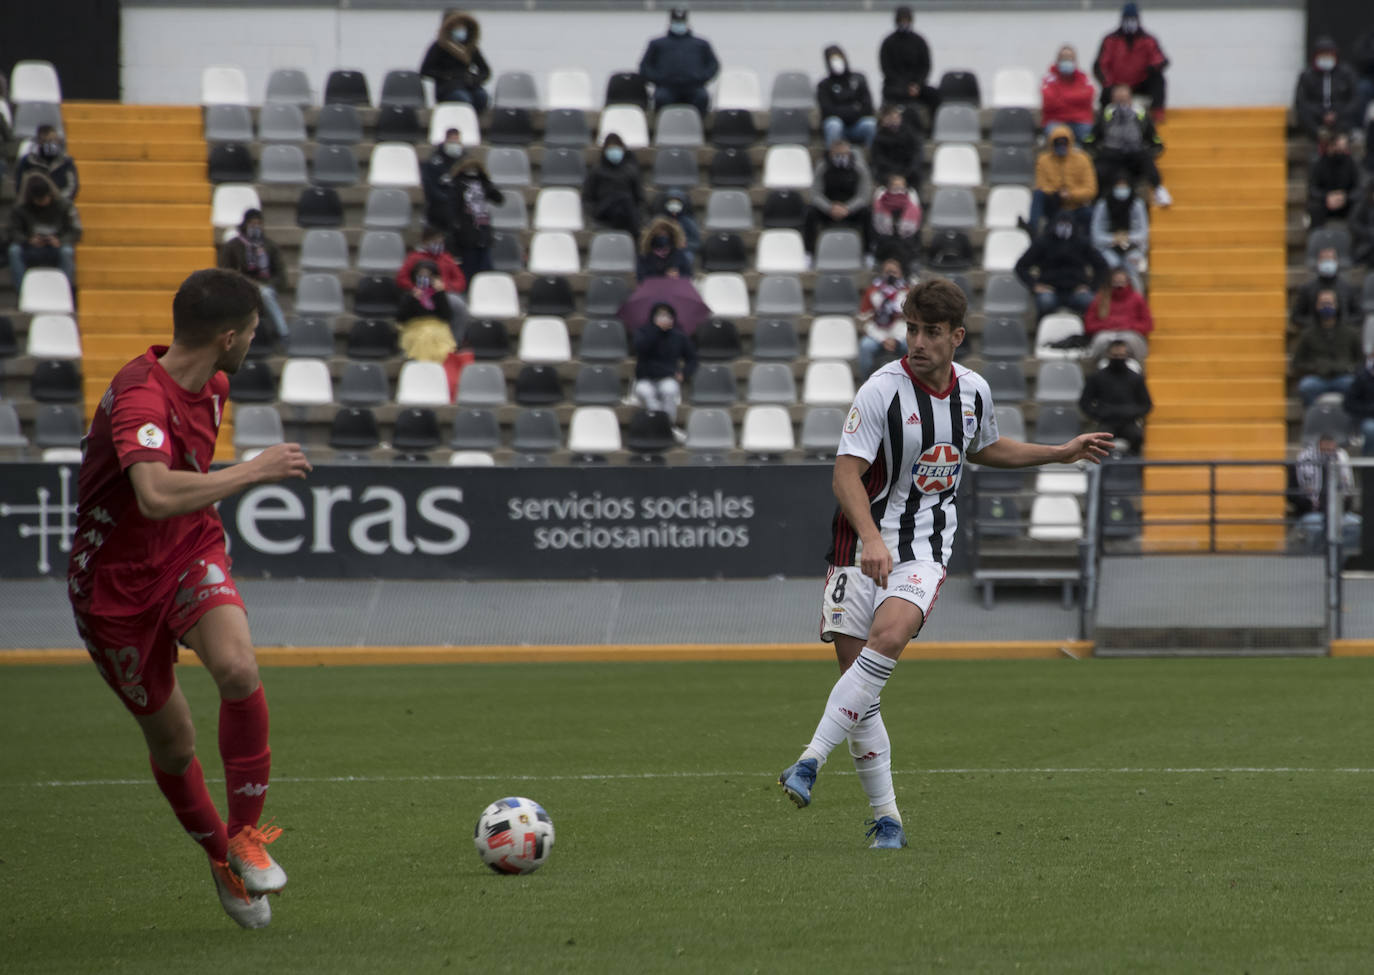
(165, 493)
(1005, 452)
(848, 482)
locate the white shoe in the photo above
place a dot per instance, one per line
(1162, 197)
(248, 857)
(247, 911)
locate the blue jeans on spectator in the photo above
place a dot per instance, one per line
(869, 351)
(1077, 299)
(860, 133)
(696, 97)
(476, 97)
(1081, 130)
(1312, 530)
(1045, 206)
(272, 309)
(21, 256)
(1310, 387)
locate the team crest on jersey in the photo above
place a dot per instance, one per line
(937, 469)
(852, 424)
(970, 423)
(151, 435)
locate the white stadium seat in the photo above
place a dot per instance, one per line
(833, 337)
(544, 339)
(554, 252)
(492, 294)
(1003, 248)
(739, 88)
(305, 382)
(422, 384)
(230, 201)
(1005, 205)
(593, 430)
(828, 384)
(956, 164)
(1056, 518)
(558, 208)
(223, 85)
(53, 337)
(767, 430)
(1015, 88)
(570, 89)
(726, 294)
(394, 164)
(788, 167)
(45, 289)
(454, 115)
(626, 121)
(1055, 328)
(62, 455)
(1061, 479)
(780, 252)
(34, 81)
(471, 458)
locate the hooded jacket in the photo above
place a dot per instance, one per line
(473, 195)
(1073, 172)
(1128, 59)
(58, 219)
(844, 96)
(1072, 99)
(828, 177)
(452, 275)
(1327, 351)
(60, 170)
(679, 61)
(651, 265)
(453, 65)
(661, 354)
(607, 181)
(904, 58)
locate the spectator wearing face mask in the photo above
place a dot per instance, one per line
(666, 358)
(431, 248)
(436, 179)
(1359, 403)
(1121, 229)
(44, 230)
(840, 193)
(1116, 398)
(1328, 278)
(845, 104)
(1332, 183)
(613, 192)
(679, 65)
(1327, 99)
(1124, 138)
(676, 204)
(896, 148)
(1061, 268)
(904, 57)
(1120, 314)
(455, 62)
(258, 258)
(880, 314)
(473, 196)
(1067, 96)
(1065, 181)
(1327, 353)
(1361, 225)
(424, 315)
(662, 251)
(1132, 57)
(47, 156)
(896, 224)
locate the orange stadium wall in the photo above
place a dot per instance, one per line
(1221, 55)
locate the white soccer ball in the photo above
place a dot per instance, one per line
(514, 835)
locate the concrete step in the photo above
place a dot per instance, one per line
(1220, 279)
(1218, 389)
(1270, 477)
(1269, 233)
(137, 259)
(1188, 411)
(153, 277)
(115, 236)
(146, 192)
(1190, 191)
(1191, 302)
(145, 215)
(1175, 342)
(141, 171)
(113, 148)
(103, 111)
(1242, 365)
(105, 301)
(1179, 318)
(1208, 213)
(1243, 256)
(136, 130)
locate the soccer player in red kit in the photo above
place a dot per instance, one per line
(149, 571)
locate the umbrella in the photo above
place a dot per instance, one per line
(679, 293)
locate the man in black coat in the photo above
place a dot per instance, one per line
(1328, 278)
(1333, 183)
(1116, 399)
(904, 57)
(679, 65)
(436, 180)
(1061, 268)
(1327, 99)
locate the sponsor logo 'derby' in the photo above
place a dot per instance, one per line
(937, 469)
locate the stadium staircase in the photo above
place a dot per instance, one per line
(145, 206)
(1217, 360)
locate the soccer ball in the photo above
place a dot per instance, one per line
(514, 835)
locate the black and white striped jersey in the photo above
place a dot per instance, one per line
(915, 440)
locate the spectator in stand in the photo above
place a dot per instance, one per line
(47, 156)
(846, 106)
(1132, 57)
(1359, 402)
(431, 249)
(425, 315)
(896, 227)
(1361, 223)
(1061, 268)
(880, 314)
(1327, 99)
(1065, 182)
(679, 65)
(1116, 398)
(455, 63)
(1327, 353)
(1363, 57)
(896, 148)
(840, 193)
(258, 258)
(1124, 138)
(1332, 183)
(676, 205)
(662, 251)
(612, 192)
(1121, 229)
(1311, 467)
(666, 359)
(436, 179)
(1067, 96)
(1120, 314)
(44, 230)
(473, 195)
(1328, 278)
(904, 58)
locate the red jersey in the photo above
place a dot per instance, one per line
(122, 563)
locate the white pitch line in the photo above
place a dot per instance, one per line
(609, 776)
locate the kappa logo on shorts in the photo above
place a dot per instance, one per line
(251, 789)
(852, 424)
(151, 435)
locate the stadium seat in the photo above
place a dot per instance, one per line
(34, 81)
(767, 431)
(510, 213)
(787, 168)
(570, 89)
(675, 167)
(1055, 328)
(1005, 338)
(597, 385)
(957, 123)
(716, 339)
(56, 381)
(566, 127)
(780, 252)
(1061, 479)
(733, 127)
(454, 115)
(563, 167)
(709, 431)
(305, 382)
(229, 162)
(611, 252)
(776, 338)
(348, 87)
(1056, 424)
(953, 206)
(792, 89)
(956, 164)
(353, 428)
(276, 123)
(376, 296)
(771, 382)
(319, 206)
(53, 337)
(310, 338)
(506, 252)
(626, 121)
(949, 250)
(482, 384)
(1367, 294)
(471, 458)
(554, 252)
(417, 428)
(789, 126)
(538, 385)
(1015, 88)
(29, 116)
(338, 125)
(558, 209)
(739, 88)
(833, 337)
(1003, 248)
(288, 86)
(604, 340)
(422, 384)
(45, 290)
(281, 164)
(59, 425)
(648, 434)
(536, 432)
(593, 431)
(544, 339)
(475, 429)
(1326, 419)
(1013, 127)
(1011, 422)
(1004, 295)
(828, 384)
(253, 383)
(778, 295)
(959, 87)
(731, 167)
(371, 339)
(835, 294)
(679, 125)
(1011, 166)
(403, 88)
(839, 250)
(398, 123)
(492, 294)
(1059, 382)
(1006, 206)
(233, 123)
(726, 295)
(223, 85)
(509, 166)
(393, 164)
(723, 250)
(488, 338)
(320, 295)
(550, 294)
(509, 127)
(1055, 518)
(516, 89)
(1322, 238)
(324, 250)
(605, 295)
(714, 385)
(821, 430)
(1006, 381)
(999, 516)
(381, 252)
(729, 210)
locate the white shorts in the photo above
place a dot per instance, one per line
(851, 598)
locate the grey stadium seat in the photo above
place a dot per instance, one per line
(1005, 338)
(957, 123)
(58, 426)
(1324, 237)
(835, 294)
(12, 435)
(953, 206)
(475, 430)
(567, 127)
(563, 167)
(1013, 127)
(516, 89)
(729, 210)
(611, 251)
(1059, 382)
(364, 384)
(1056, 424)
(710, 431)
(339, 125)
(402, 87)
(1011, 422)
(776, 338)
(281, 123)
(1326, 419)
(334, 166)
(679, 125)
(771, 382)
(324, 250)
(388, 208)
(257, 426)
(319, 294)
(1011, 165)
(381, 251)
(1006, 381)
(821, 429)
(30, 116)
(780, 295)
(1005, 295)
(482, 384)
(310, 338)
(228, 123)
(792, 89)
(789, 126)
(839, 250)
(288, 86)
(537, 432)
(713, 385)
(603, 340)
(675, 167)
(509, 166)
(282, 164)
(597, 385)
(511, 213)
(605, 295)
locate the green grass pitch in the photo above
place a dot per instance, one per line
(1201, 816)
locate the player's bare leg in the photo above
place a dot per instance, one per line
(222, 641)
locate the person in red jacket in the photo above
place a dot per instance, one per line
(1120, 314)
(431, 248)
(1066, 96)
(1130, 56)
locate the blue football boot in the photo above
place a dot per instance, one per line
(797, 780)
(887, 834)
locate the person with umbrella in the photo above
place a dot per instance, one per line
(667, 359)
(677, 293)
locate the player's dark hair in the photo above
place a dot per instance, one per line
(936, 300)
(211, 302)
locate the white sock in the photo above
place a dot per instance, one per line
(872, 753)
(851, 697)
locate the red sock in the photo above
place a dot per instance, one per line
(194, 808)
(247, 759)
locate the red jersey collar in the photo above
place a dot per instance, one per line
(953, 378)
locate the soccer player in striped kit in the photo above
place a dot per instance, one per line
(900, 460)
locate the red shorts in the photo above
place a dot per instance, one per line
(135, 654)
